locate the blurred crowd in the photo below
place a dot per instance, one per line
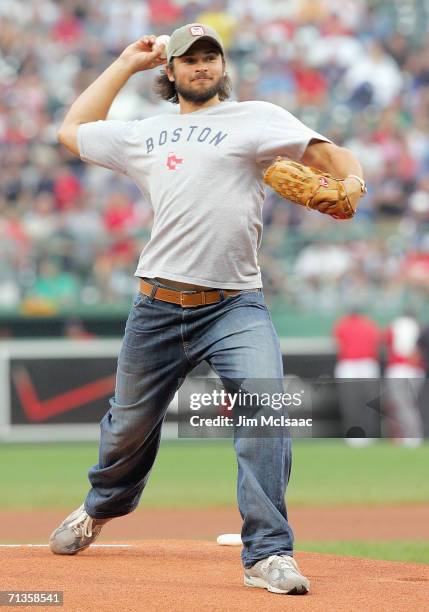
(357, 71)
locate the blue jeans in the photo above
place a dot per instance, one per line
(163, 342)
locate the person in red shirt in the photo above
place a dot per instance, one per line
(358, 341)
(404, 379)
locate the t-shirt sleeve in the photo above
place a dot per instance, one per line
(285, 135)
(105, 143)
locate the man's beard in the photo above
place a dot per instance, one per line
(193, 95)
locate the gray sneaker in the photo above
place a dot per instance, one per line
(75, 533)
(278, 574)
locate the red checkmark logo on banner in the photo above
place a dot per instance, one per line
(41, 410)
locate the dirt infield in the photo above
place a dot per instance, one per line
(408, 522)
(188, 573)
(184, 575)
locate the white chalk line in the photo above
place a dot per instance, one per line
(46, 546)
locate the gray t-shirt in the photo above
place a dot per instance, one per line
(202, 173)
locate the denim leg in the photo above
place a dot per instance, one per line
(150, 365)
(242, 344)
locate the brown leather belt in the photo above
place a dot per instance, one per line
(186, 299)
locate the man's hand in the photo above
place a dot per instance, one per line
(143, 54)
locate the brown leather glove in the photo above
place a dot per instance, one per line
(315, 189)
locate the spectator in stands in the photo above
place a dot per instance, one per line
(218, 17)
(41, 222)
(374, 79)
(54, 285)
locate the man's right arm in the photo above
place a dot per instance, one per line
(95, 102)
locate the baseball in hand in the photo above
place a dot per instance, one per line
(162, 42)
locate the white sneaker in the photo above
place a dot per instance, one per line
(278, 574)
(75, 533)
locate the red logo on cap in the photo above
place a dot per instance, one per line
(197, 30)
(323, 181)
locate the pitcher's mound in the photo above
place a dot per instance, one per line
(160, 575)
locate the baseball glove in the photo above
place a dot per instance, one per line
(315, 189)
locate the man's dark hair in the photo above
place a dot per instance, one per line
(166, 89)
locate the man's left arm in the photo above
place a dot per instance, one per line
(328, 157)
(328, 179)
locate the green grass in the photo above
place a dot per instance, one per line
(407, 551)
(199, 473)
(327, 473)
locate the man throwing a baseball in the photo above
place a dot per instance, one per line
(200, 295)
